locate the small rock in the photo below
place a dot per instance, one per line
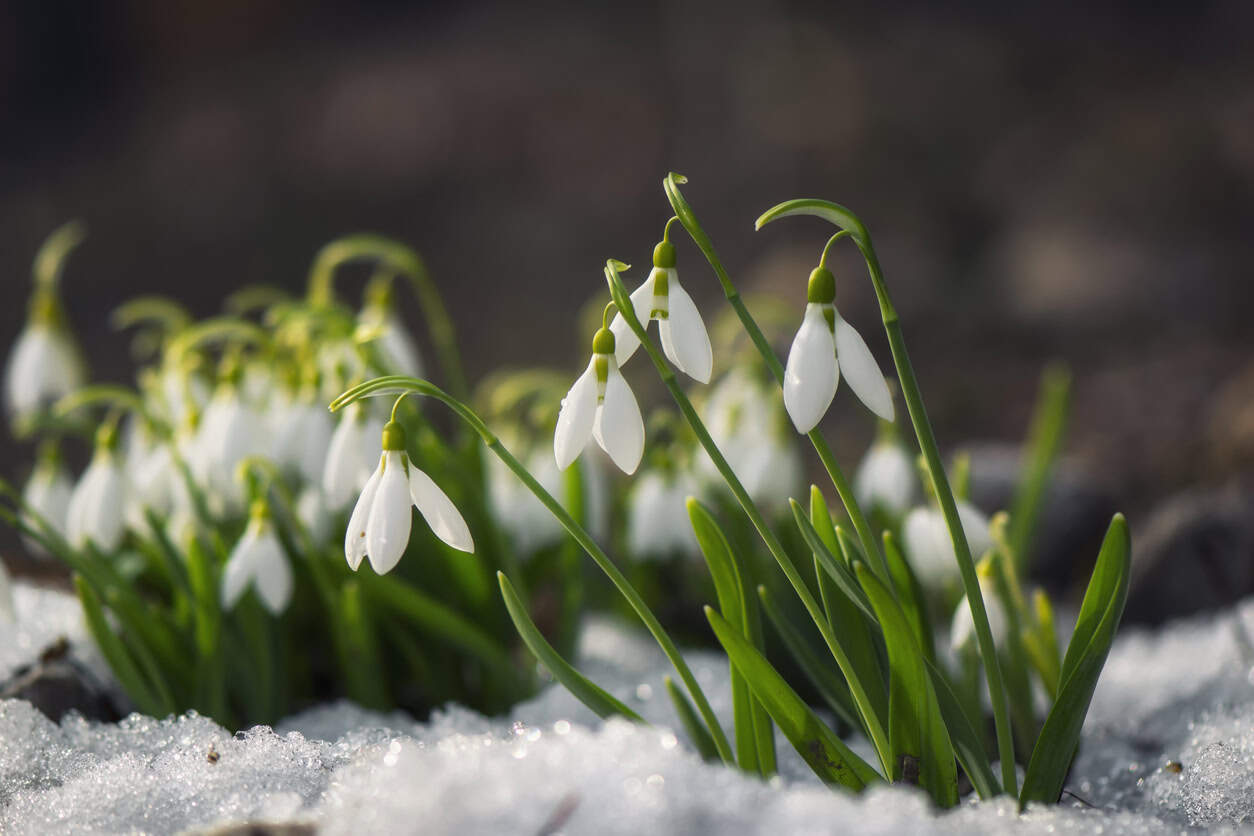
(57, 684)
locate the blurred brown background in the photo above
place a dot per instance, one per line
(1045, 182)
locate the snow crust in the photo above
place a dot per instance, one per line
(1180, 697)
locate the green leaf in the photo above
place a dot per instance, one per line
(366, 684)
(819, 671)
(1049, 423)
(825, 753)
(968, 746)
(734, 605)
(584, 689)
(910, 595)
(697, 732)
(916, 729)
(115, 652)
(1086, 655)
(835, 567)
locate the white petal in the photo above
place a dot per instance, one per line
(398, 348)
(619, 428)
(886, 478)
(812, 374)
(42, 367)
(272, 576)
(975, 526)
(625, 340)
(684, 338)
(391, 516)
(95, 513)
(316, 430)
(239, 568)
(439, 511)
(929, 549)
(48, 495)
(576, 419)
(355, 535)
(861, 370)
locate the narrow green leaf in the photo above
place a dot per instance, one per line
(733, 603)
(835, 567)
(920, 742)
(1049, 423)
(910, 595)
(818, 745)
(819, 671)
(114, 651)
(366, 684)
(697, 732)
(1086, 655)
(967, 743)
(584, 689)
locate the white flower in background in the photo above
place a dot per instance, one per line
(962, 630)
(886, 478)
(181, 388)
(930, 550)
(524, 520)
(351, 456)
(258, 561)
(98, 504)
(397, 350)
(657, 515)
(44, 364)
(302, 430)
(380, 524)
(151, 475)
(312, 511)
(684, 338)
(745, 418)
(47, 494)
(813, 371)
(600, 405)
(339, 363)
(230, 431)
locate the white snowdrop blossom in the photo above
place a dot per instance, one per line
(98, 504)
(302, 430)
(685, 340)
(657, 515)
(600, 405)
(824, 346)
(522, 517)
(962, 630)
(47, 495)
(380, 523)
(43, 366)
(258, 561)
(886, 478)
(745, 418)
(311, 510)
(351, 456)
(231, 430)
(397, 350)
(931, 551)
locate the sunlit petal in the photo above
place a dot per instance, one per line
(619, 428)
(684, 337)
(391, 516)
(811, 375)
(861, 370)
(576, 419)
(439, 512)
(625, 340)
(355, 535)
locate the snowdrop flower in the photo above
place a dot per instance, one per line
(886, 477)
(600, 405)
(311, 510)
(47, 494)
(930, 550)
(97, 506)
(258, 560)
(657, 515)
(397, 349)
(813, 372)
(746, 421)
(230, 431)
(962, 630)
(351, 456)
(380, 523)
(302, 429)
(684, 338)
(44, 364)
(522, 517)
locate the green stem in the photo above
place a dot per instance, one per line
(866, 536)
(398, 384)
(874, 728)
(845, 219)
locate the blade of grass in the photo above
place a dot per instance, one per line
(696, 730)
(1049, 424)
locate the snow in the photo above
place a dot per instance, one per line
(1179, 697)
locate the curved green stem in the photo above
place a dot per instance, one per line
(870, 544)
(398, 384)
(874, 727)
(846, 220)
(408, 263)
(50, 260)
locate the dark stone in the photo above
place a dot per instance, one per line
(1195, 553)
(57, 684)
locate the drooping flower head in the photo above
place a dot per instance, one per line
(886, 478)
(685, 340)
(380, 523)
(931, 550)
(44, 364)
(824, 346)
(258, 561)
(397, 350)
(600, 405)
(96, 513)
(47, 494)
(351, 456)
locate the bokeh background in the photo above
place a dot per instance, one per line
(1050, 182)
